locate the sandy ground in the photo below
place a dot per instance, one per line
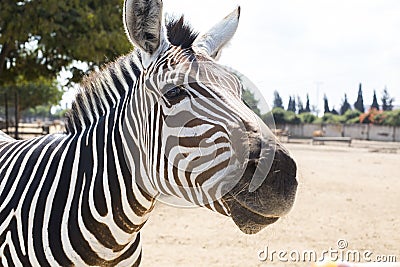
(344, 193)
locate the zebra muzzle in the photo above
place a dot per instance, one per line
(252, 210)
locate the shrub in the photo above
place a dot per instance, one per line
(351, 114)
(278, 114)
(291, 117)
(390, 118)
(353, 120)
(282, 116)
(307, 117)
(371, 116)
(332, 118)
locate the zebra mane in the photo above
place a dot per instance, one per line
(180, 33)
(102, 88)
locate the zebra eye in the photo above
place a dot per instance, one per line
(174, 93)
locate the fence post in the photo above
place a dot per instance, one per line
(16, 115)
(6, 111)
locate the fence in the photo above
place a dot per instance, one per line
(26, 130)
(355, 131)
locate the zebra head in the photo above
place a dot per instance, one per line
(199, 141)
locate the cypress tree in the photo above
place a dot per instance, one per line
(387, 101)
(345, 105)
(359, 104)
(278, 103)
(300, 107)
(375, 104)
(326, 105)
(307, 108)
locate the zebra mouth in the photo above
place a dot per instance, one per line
(253, 210)
(248, 221)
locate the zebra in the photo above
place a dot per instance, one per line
(163, 120)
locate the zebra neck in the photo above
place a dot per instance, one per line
(103, 92)
(140, 139)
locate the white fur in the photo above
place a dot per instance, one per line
(138, 26)
(218, 36)
(4, 137)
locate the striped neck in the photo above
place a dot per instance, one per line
(103, 92)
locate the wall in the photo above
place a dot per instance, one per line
(381, 133)
(355, 131)
(397, 134)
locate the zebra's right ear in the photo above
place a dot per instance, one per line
(144, 27)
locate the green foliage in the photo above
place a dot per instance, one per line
(389, 118)
(42, 111)
(39, 38)
(278, 115)
(307, 117)
(278, 103)
(350, 115)
(32, 93)
(387, 101)
(330, 118)
(282, 116)
(250, 100)
(291, 117)
(353, 120)
(60, 113)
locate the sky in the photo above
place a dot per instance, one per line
(313, 47)
(309, 46)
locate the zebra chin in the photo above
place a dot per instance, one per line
(254, 210)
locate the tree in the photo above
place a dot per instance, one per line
(40, 38)
(334, 111)
(278, 103)
(345, 105)
(300, 108)
(326, 105)
(307, 108)
(34, 93)
(281, 116)
(359, 104)
(250, 100)
(291, 104)
(387, 101)
(375, 104)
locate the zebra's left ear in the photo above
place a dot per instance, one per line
(218, 36)
(145, 28)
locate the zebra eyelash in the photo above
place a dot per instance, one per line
(174, 92)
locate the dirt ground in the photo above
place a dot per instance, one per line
(346, 195)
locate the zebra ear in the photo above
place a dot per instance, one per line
(144, 27)
(218, 36)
